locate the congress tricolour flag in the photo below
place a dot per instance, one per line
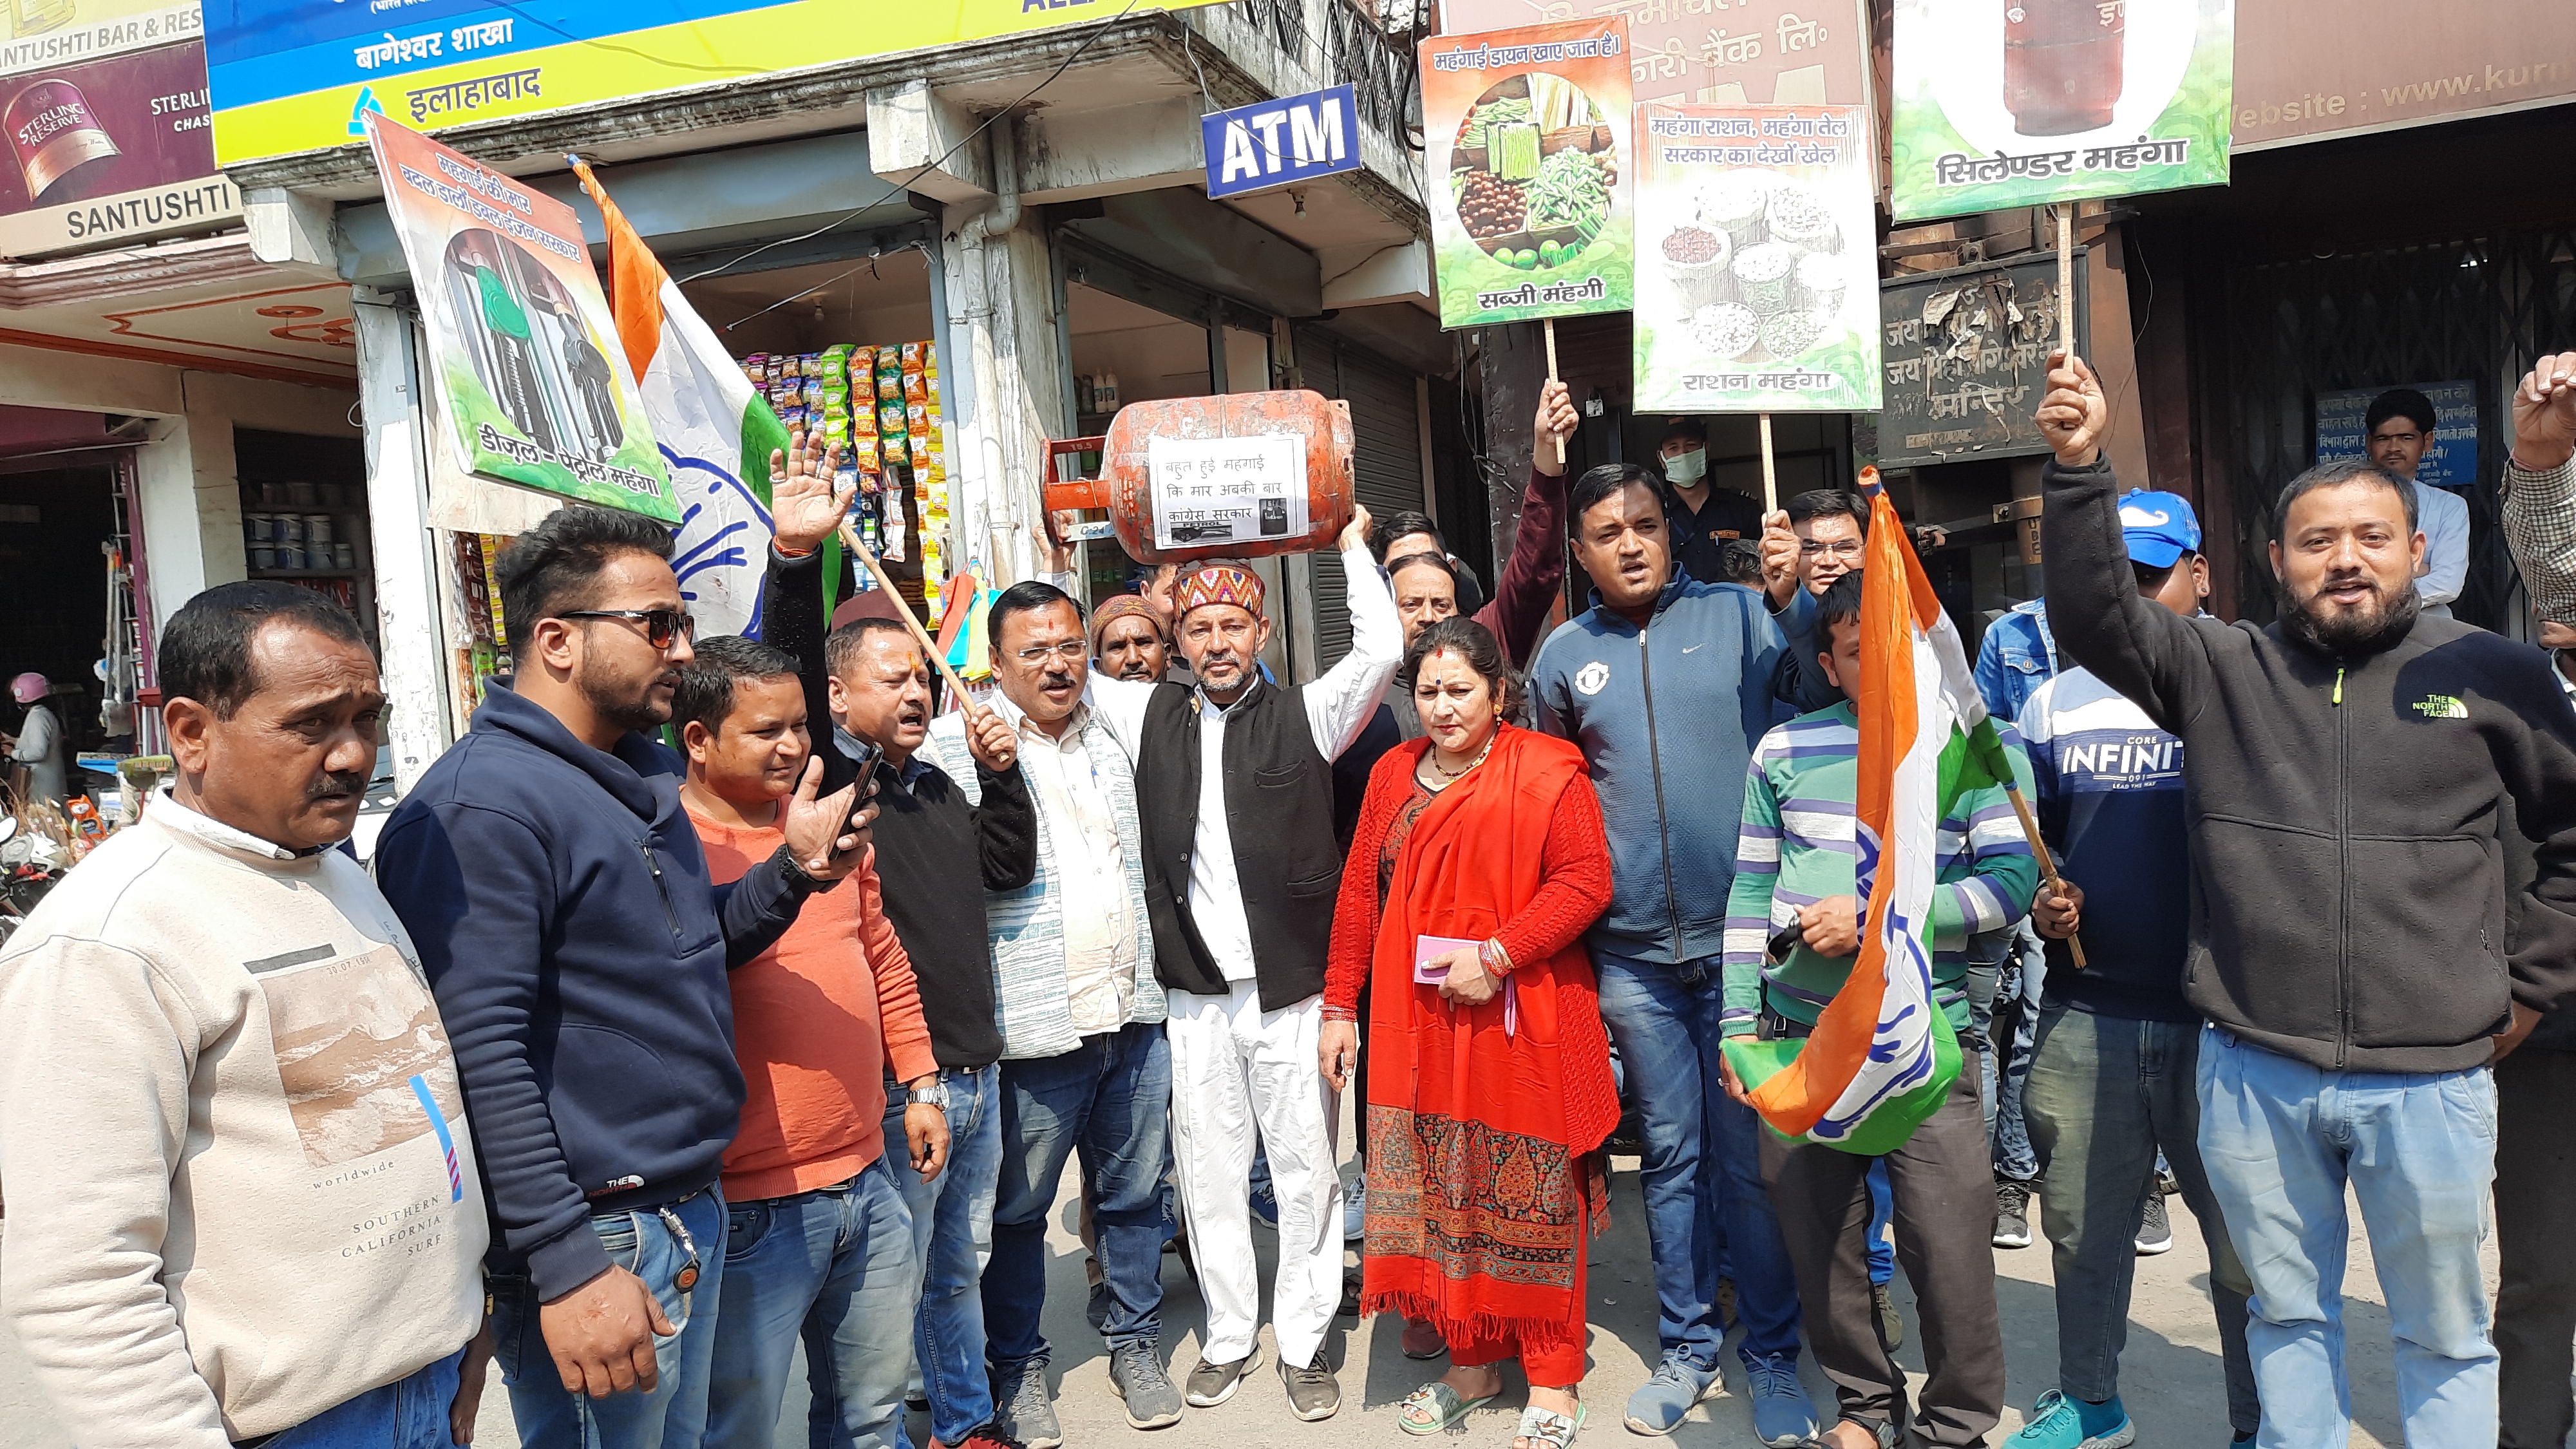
(715, 430)
(1883, 1056)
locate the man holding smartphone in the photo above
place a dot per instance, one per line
(564, 914)
(939, 851)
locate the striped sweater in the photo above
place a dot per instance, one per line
(1799, 846)
(1027, 925)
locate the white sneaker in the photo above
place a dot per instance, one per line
(1355, 1210)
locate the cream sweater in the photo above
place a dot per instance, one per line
(231, 1203)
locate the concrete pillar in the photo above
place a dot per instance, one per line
(191, 506)
(1002, 318)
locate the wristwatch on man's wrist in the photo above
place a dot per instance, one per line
(934, 1095)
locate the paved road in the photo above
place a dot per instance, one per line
(2171, 1377)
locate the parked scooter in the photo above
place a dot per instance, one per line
(29, 866)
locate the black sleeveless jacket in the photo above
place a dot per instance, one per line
(1279, 811)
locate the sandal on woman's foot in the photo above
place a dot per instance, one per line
(1436, 1408)
(1548, 1427)
(1422, 1339)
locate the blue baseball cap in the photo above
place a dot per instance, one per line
(2158, 527)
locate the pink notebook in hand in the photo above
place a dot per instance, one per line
(1425, 948)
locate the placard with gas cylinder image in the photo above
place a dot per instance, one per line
(1535, 219)
(1757, 277)
(2029, 101)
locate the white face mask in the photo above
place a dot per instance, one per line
(1687, 468)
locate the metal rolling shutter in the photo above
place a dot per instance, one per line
(1386, 457)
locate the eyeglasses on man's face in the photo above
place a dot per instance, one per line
(1838, 547)
(662, 627)
(1071, 651)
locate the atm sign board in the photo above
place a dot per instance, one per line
(1281, 142)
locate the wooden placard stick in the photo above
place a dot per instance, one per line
(1547, 325)
(1770, 472)
(929, 649)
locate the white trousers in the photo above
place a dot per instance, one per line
(1234, 1065)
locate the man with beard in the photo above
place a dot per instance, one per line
(1127, 639)
(226, 1081)
(2351, 947)
(1085, 1067)
(1234, 790)
(562, 905)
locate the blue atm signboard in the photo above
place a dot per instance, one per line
(1281, 142)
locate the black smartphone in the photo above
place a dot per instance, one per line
(840, 767)
(1787, 939)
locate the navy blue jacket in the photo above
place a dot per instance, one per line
(1667, 717)
(559, 899)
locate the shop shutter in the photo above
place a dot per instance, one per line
(1386, 461)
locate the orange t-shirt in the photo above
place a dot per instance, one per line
(815, 1020)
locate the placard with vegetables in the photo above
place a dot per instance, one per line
(1535, 219)
(1757, 286)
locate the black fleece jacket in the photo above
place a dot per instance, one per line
(2346, 813)
(936, 854)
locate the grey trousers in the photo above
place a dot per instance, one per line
(2535, 1202)
(2105, 1093)
(1943, 1184)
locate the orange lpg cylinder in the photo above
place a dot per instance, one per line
(1243, 475)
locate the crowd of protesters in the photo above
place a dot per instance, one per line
(714, 998)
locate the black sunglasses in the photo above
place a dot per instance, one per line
(662, 627)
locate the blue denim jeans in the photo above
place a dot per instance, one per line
(675, 1413)
(2024, 975)
(2106, 1095)
(2280, 1140)
(409, 1413)
(834, 1268)
(1109, 1099)
(1702, 1161)
(1882, 1223)
(952, 1235)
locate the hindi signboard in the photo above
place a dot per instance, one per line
(1534, 218)
(1226, 490)
(1723, 52)
(1757, 285)
(2450, 460)
(2032, 101)
(296, 75)
(529, 371)
(1967, 360)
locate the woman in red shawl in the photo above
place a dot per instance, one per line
(1479, 851)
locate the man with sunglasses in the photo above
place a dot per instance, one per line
(562, 907)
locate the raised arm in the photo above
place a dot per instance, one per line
(2540, 487)
(94, 1095)
(2138, 647)
(1339, 703)
(804, 510)
(1535, 572)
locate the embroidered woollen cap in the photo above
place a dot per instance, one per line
(1120, 606)
(1220, 584)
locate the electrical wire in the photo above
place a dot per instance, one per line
(900, 187)
(869, 266)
